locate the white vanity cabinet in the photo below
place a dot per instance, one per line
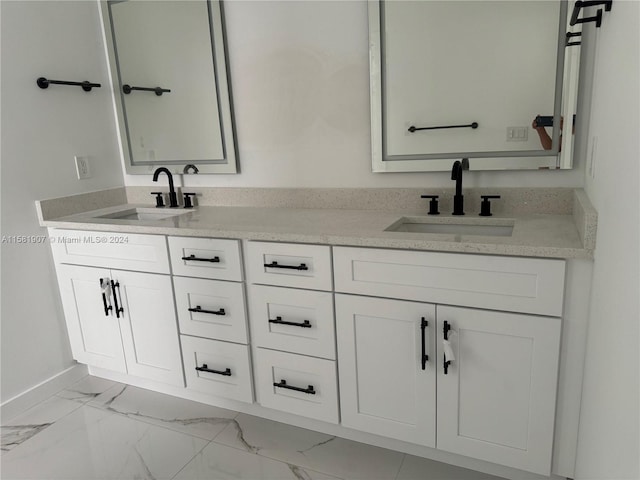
(496, 401)
(293, 329)
(212, 316)
(119, 320)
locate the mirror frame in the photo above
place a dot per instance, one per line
(553, 159)
(229, 164)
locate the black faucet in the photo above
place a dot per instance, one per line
(190, 166)
(173, 198)
(456, 174)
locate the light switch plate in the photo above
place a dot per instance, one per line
(82, 167)
(517, 134)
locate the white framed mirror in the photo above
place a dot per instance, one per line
(168, 69)
(468, 79)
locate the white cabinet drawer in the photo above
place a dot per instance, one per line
(211, 308)
(306, 386)
(527, 285)
(122, 251)
(299, 321)
(206, 258)
(229, 365)
(290, 265)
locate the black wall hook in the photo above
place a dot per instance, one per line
(570, 35)
(86, 85)
(580, 4)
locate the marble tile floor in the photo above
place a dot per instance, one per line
(98, 429)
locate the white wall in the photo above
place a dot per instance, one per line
(41, 132)
(608, 446)
(300, 79)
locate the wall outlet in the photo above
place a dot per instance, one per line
(82, 167)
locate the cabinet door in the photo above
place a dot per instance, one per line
(94, 333)
(149, 326)
(497, 400)
(384, 387)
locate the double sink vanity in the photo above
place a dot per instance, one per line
(433, 335)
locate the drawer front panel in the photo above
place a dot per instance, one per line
(122, 251)
(290, 265)
(307, 386)
(211, 309)
(217, 356)
(298, 321)
(501, 283)
(206, 258)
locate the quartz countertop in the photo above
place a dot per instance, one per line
(534, 235)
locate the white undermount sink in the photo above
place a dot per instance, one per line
(493, 228)
(143, 214)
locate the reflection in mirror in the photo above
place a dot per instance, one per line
(453, 79)
(169, 75)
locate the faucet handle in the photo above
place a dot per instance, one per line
(433, 204)
(485, 206)
(187, 200)
(159, 199)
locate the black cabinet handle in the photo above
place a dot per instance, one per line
(302, 266)
(104, 287)
(193, 258)
(115, 286)
(445, 332)
(198, 309)
(205, 368)
(425, 358)
(279, 321)
(283, 384)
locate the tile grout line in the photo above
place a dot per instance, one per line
(192, 459)
(404, 457)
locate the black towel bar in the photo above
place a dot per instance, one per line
(86, 85)
(415, 129)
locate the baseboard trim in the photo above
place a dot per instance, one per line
(36, 394)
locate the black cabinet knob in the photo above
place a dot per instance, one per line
(485, 205)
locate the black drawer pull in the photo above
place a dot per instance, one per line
(193, 258)
(425, 358)
(119, 309)
(302, 266)
(212, 312)
(283, 384)
(445, 333)
(279, 321)
(205, 368)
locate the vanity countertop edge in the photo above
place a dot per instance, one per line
(568, 236)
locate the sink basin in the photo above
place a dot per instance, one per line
(142, 214)
(497, 228)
